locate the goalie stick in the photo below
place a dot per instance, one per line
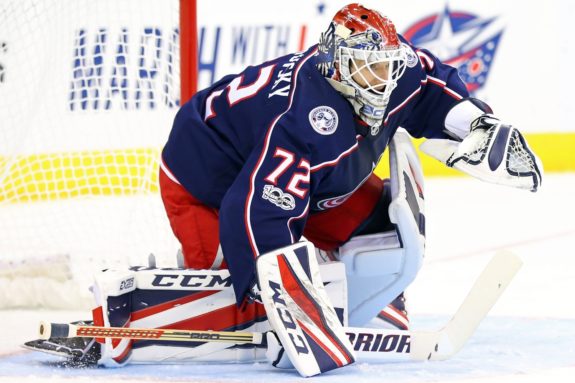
(448, 341)
(64, 330)
(371, 345)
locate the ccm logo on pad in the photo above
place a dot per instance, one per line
(287, 320)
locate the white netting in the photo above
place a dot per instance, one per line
(88, 91)
(477, 155)
(519, 161)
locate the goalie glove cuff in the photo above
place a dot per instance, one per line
(484, 122)
(461, 117)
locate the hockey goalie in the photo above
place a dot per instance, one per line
(268, 173)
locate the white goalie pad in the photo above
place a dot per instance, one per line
(112, 290)
(150, 297)
(380, 266)
(300, 311)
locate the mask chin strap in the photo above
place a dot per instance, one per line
(349, 93)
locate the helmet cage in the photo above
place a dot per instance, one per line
(385, 67)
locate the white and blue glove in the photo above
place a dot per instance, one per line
(493, 152)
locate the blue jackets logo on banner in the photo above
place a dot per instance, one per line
(460, 39)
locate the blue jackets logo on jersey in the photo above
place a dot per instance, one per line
(458, 39)
(323, 120)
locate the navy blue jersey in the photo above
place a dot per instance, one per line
(275, 143)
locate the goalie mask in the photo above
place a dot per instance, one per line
(361, 56)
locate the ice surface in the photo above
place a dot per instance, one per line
(529, 336)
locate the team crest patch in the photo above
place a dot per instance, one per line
(323, 120)
(412, 59)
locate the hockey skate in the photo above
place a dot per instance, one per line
(77, 352)
(393, 316)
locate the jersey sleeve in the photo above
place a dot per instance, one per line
(267, 205)
(443, 88)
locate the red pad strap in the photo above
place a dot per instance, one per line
(98, 318)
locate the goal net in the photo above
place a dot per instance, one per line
(88, 91)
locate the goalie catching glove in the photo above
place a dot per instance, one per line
(493, 152)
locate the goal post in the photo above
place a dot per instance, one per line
(88, 92)
(188, 49)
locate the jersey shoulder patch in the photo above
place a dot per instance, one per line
(323, 119)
